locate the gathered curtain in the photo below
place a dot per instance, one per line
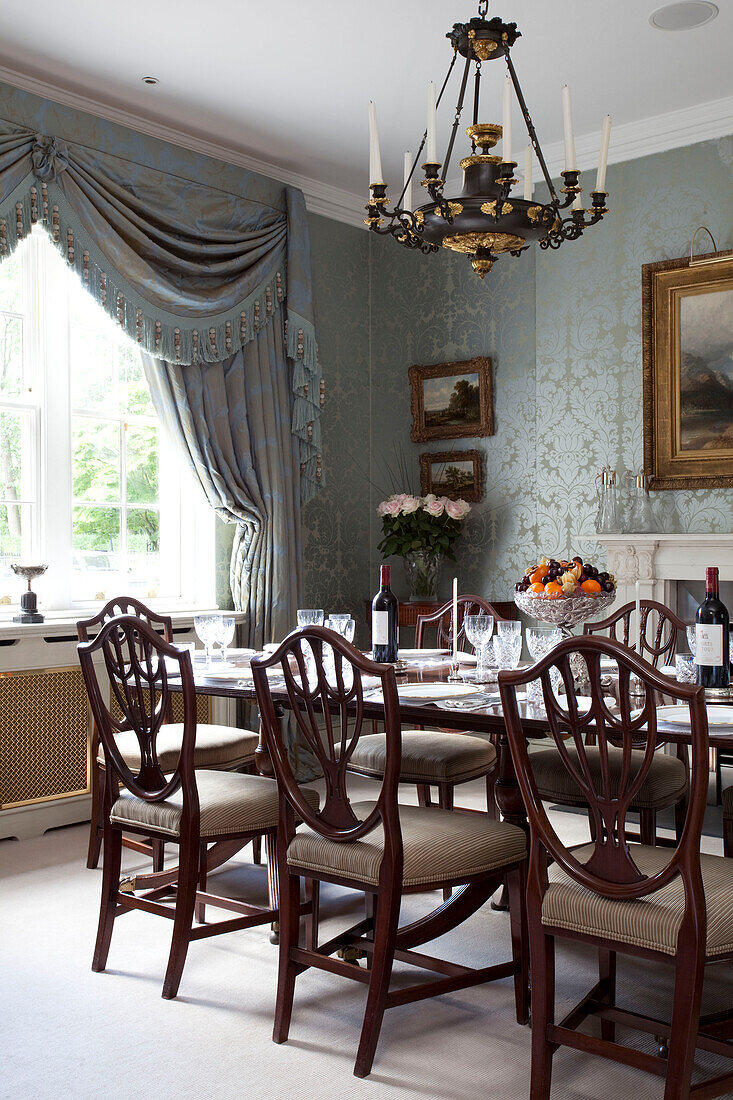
(216, 290)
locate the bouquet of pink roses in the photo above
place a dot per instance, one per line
(429, 524)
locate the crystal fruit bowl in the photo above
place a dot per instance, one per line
(564, 611)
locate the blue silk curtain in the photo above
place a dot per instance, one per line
(214, 284)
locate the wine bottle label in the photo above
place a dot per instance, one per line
(709, 644)
(380, 628)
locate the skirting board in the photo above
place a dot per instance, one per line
(26, 822)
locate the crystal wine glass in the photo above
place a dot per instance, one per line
(224, 633)
(691, 638)
(541, 640)
(343, 625)
(310, 617)
(478, 630)
(206, 627)
(508, 644)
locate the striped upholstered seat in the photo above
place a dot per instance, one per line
(437, 845)
(428, 756)
(216, 747)
(665, 784)
(229, 803)
(652, 922)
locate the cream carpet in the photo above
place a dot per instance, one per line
(66, 1032)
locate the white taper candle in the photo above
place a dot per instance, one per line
(455, 616)
(571, 164)
(431, 144)
(506, 134)
(375, 159)
(407, 200)
(528, 188)
(603, 156)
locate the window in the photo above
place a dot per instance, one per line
(88, 481)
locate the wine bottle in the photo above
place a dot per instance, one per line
(385, 620)
(712, 626)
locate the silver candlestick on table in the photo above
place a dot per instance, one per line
(29, 601)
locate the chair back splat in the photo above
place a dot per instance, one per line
(659, 627)
(608, 793)
(134, 657)
(441, 621)
(323, 681)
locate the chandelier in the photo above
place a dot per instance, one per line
(485, 219)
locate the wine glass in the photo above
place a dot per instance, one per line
(478, 630)
(541, 640)
(310, 617)
(206, 627)
(343, 625)
(224, 633)
(508, 644)
(691, 637)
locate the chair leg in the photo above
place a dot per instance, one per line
(445, 801)
(96, 829)
(287, 969)
(200, 909)
(688, 984)
(516, 890)
(158, 847)
(313, 895)
(607, 974)
(727, 836)
(370, 911)
(543, 1011)
(491, 807)
(110, 885)
(257, 850)
(385, 937)
(188, 877)
(423, 794)
(648, 827)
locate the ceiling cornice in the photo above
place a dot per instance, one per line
(631, 140)
(320, 198)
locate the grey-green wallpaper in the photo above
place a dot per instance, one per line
(563, 330)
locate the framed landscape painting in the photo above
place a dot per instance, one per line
(688, 372)
(452, 400)
(453, 474)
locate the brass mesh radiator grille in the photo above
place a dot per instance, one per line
(203, 707)
(44, 736)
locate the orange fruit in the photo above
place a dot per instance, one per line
(537, 587)
(536, 577)
(591, 587)
(553, 590)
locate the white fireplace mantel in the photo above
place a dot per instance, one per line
(658, 561)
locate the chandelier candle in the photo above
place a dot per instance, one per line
(385, 620)
(407, 200)
(375, 158)
(711, 638)
(486, 218)
(603, 158)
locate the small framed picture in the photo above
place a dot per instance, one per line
(454, 474)
(452, 400)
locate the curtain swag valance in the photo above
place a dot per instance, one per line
(190, 272)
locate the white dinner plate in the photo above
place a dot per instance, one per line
(680, 715)
(434, 691)
(410, 654)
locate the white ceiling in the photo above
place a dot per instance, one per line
(288, 84)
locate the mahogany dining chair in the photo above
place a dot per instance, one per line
(169, 800)
(672, 907)
(379, 847)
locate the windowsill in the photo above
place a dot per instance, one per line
(69, 618)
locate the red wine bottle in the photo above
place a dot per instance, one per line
(712, 627)
(385, 620)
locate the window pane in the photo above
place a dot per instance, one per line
(96, 459)
(98, 530)
(134, 392)
(142, 464)
(93, 341)
(16, 455)
(15, 543)
(143, 550)
(11, 355)
(11, 282)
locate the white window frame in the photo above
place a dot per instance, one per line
(47, 358)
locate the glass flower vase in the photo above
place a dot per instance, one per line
(422, 570)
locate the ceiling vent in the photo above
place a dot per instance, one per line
(683, 16)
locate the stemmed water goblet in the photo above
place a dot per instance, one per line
(345, 626)
(478, 630)
(310, 617)
(541, 640)
(508, 644)
(206, 627)
(691, 637)
(224, 633)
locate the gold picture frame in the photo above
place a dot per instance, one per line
(452, 400)
(687, 331)
(458, 475)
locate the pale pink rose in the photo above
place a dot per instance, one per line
(457, 509)
(401, 497)
(429, 498)
(410, 504)
(389, 508)
(434, 507)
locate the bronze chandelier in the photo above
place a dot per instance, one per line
(485, 219)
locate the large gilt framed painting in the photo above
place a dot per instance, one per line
(688, 372)
(452, 400)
